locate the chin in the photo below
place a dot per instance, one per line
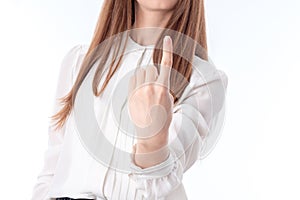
(157, 4)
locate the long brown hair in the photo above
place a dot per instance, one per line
(118, 16)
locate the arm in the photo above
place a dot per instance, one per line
(195, 121)
(55, 138)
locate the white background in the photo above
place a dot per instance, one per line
(255, 42)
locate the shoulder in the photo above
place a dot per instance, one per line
(72, 56)
(73, 59)
(74, 53)
(205, 71)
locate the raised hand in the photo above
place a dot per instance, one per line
(151, 108)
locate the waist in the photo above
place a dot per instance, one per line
(68, 198)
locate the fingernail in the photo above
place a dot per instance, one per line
(167, 39)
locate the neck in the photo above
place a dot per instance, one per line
(154, 19)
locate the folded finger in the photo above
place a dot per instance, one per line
(151, 74)
(140, 77)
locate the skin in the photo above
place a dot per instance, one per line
(151, 13)
(150, 103)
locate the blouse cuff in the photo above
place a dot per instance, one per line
(160, 170)
(160, 180)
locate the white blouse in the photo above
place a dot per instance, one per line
(70, 170)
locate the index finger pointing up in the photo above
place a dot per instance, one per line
(166, 61)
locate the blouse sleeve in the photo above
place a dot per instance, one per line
(55, 138)
(193, 132)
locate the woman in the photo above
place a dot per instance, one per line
(174, 105)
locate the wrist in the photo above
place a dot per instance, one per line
(144, 158)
